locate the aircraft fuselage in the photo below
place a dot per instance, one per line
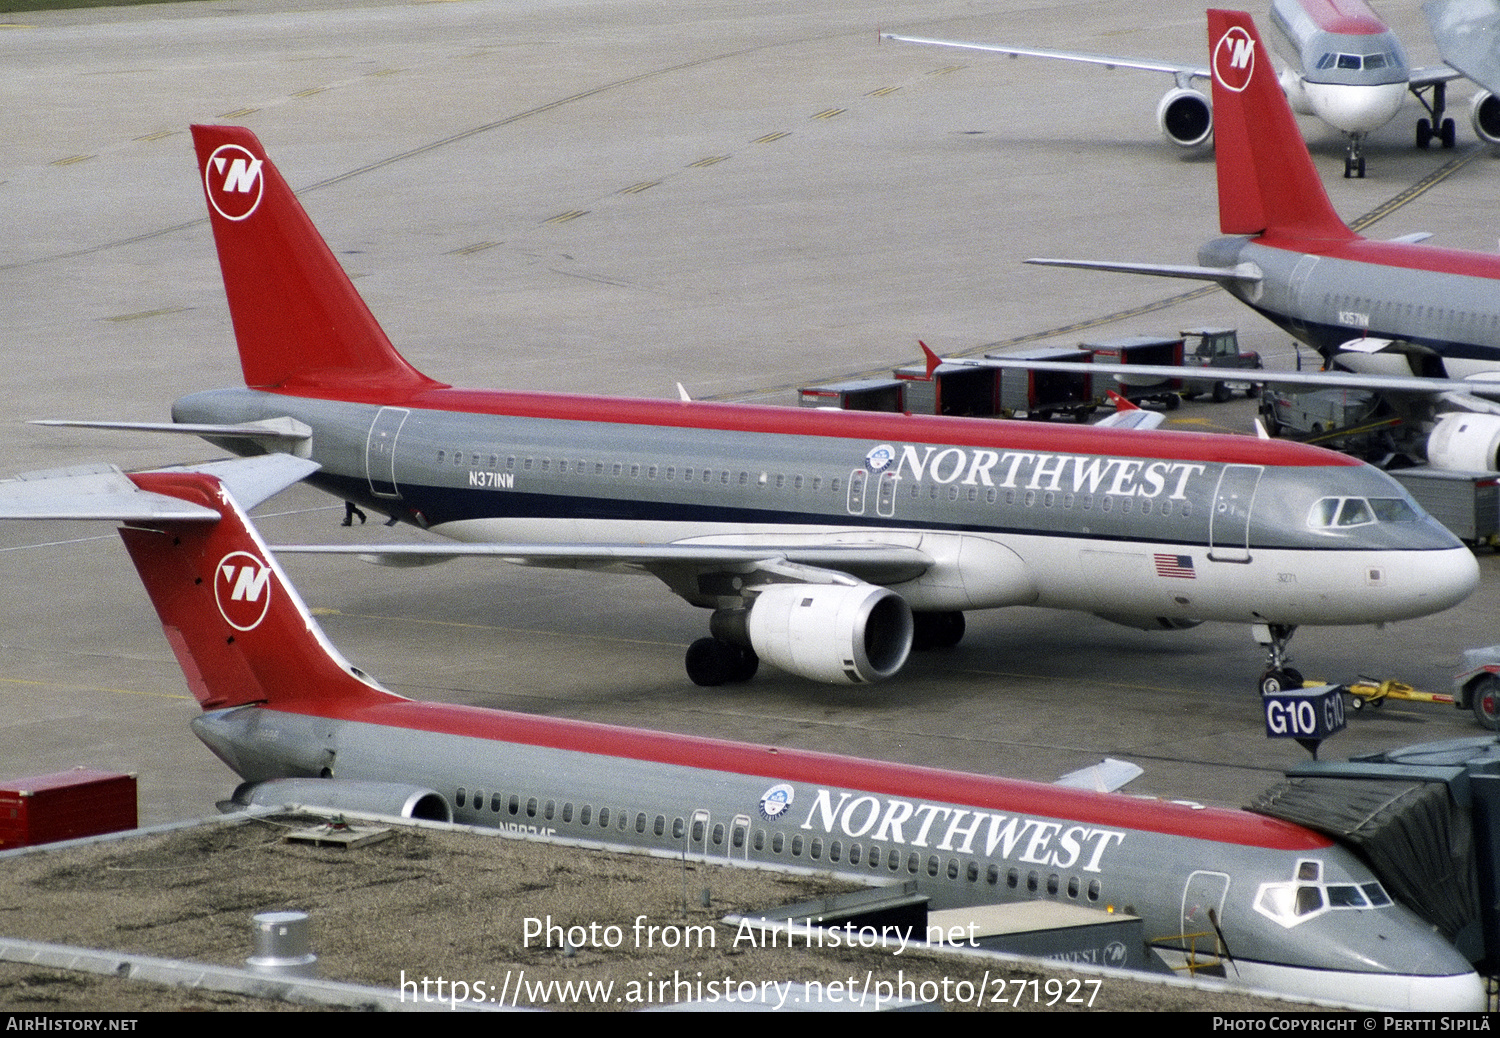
(1179, 526)
(1440, 299)
(1344, 64)
(1298, 913)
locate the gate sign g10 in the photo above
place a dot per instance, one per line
(1314, 713)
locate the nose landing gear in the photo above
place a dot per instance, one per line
(1278, 676)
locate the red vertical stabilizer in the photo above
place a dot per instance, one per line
(1267, 183)
(240, 630)
(300, 324)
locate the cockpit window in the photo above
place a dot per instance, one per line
(1343, 512)
(1355, 511)
(1346, 895)
(1393, 510)
(1306, 896)
(1354, 62)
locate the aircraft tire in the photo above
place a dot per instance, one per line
(1485, 701)
(711, 663)
(1449, 133)
(1424, 134)
(937, 630)
(1274, 681)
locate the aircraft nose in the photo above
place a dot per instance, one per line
(1446, 579)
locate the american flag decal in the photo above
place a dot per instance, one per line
(1174, 566)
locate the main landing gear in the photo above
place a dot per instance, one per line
(711, 662)
(1278, 676)
(936, 630)
(1437, 128)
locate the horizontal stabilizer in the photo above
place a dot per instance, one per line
(90, 492)
(1105, 777)
(269, 429)
(253, 480)
(106, 492)
(1244, 273)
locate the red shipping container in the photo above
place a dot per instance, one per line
(65, 806)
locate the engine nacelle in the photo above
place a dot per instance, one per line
(1484, 116)
(1186, 117)
(371, 798)
(1149, 623)
(834, 633)
(1462, 442)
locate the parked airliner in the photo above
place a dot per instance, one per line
(1286, 908)
(1342, 64)
(1293, 260)
(813, 536)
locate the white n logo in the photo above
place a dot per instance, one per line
(242, 590)
(242, 175)
(250, 583)
(1234, 59)
(234, 179)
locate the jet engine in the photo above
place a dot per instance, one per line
(1484, 115)
(836, 633)
(371, 798)
(1185, 116)
(1463, 442)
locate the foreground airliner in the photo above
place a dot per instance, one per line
(1293, 260)
(813, 536)
(1294, 912)
(1342, 64)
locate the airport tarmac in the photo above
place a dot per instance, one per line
(613, 198)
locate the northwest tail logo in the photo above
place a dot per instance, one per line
(242, 589)
(1234, 59)
(234, 180)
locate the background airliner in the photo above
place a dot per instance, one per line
(1297, 913)
(1342, 64)
(812, 536)
(1419, 310)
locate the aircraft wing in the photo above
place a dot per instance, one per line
(1467, 33)
(1264, 376)
(1431, 75)
(1244, 273)
(816, 562)
(1107, 60)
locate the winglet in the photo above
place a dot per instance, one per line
(933, 360)
(1120, 402)
(300, 324)
(1267, 182)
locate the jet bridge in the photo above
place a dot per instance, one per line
(1426, 819)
